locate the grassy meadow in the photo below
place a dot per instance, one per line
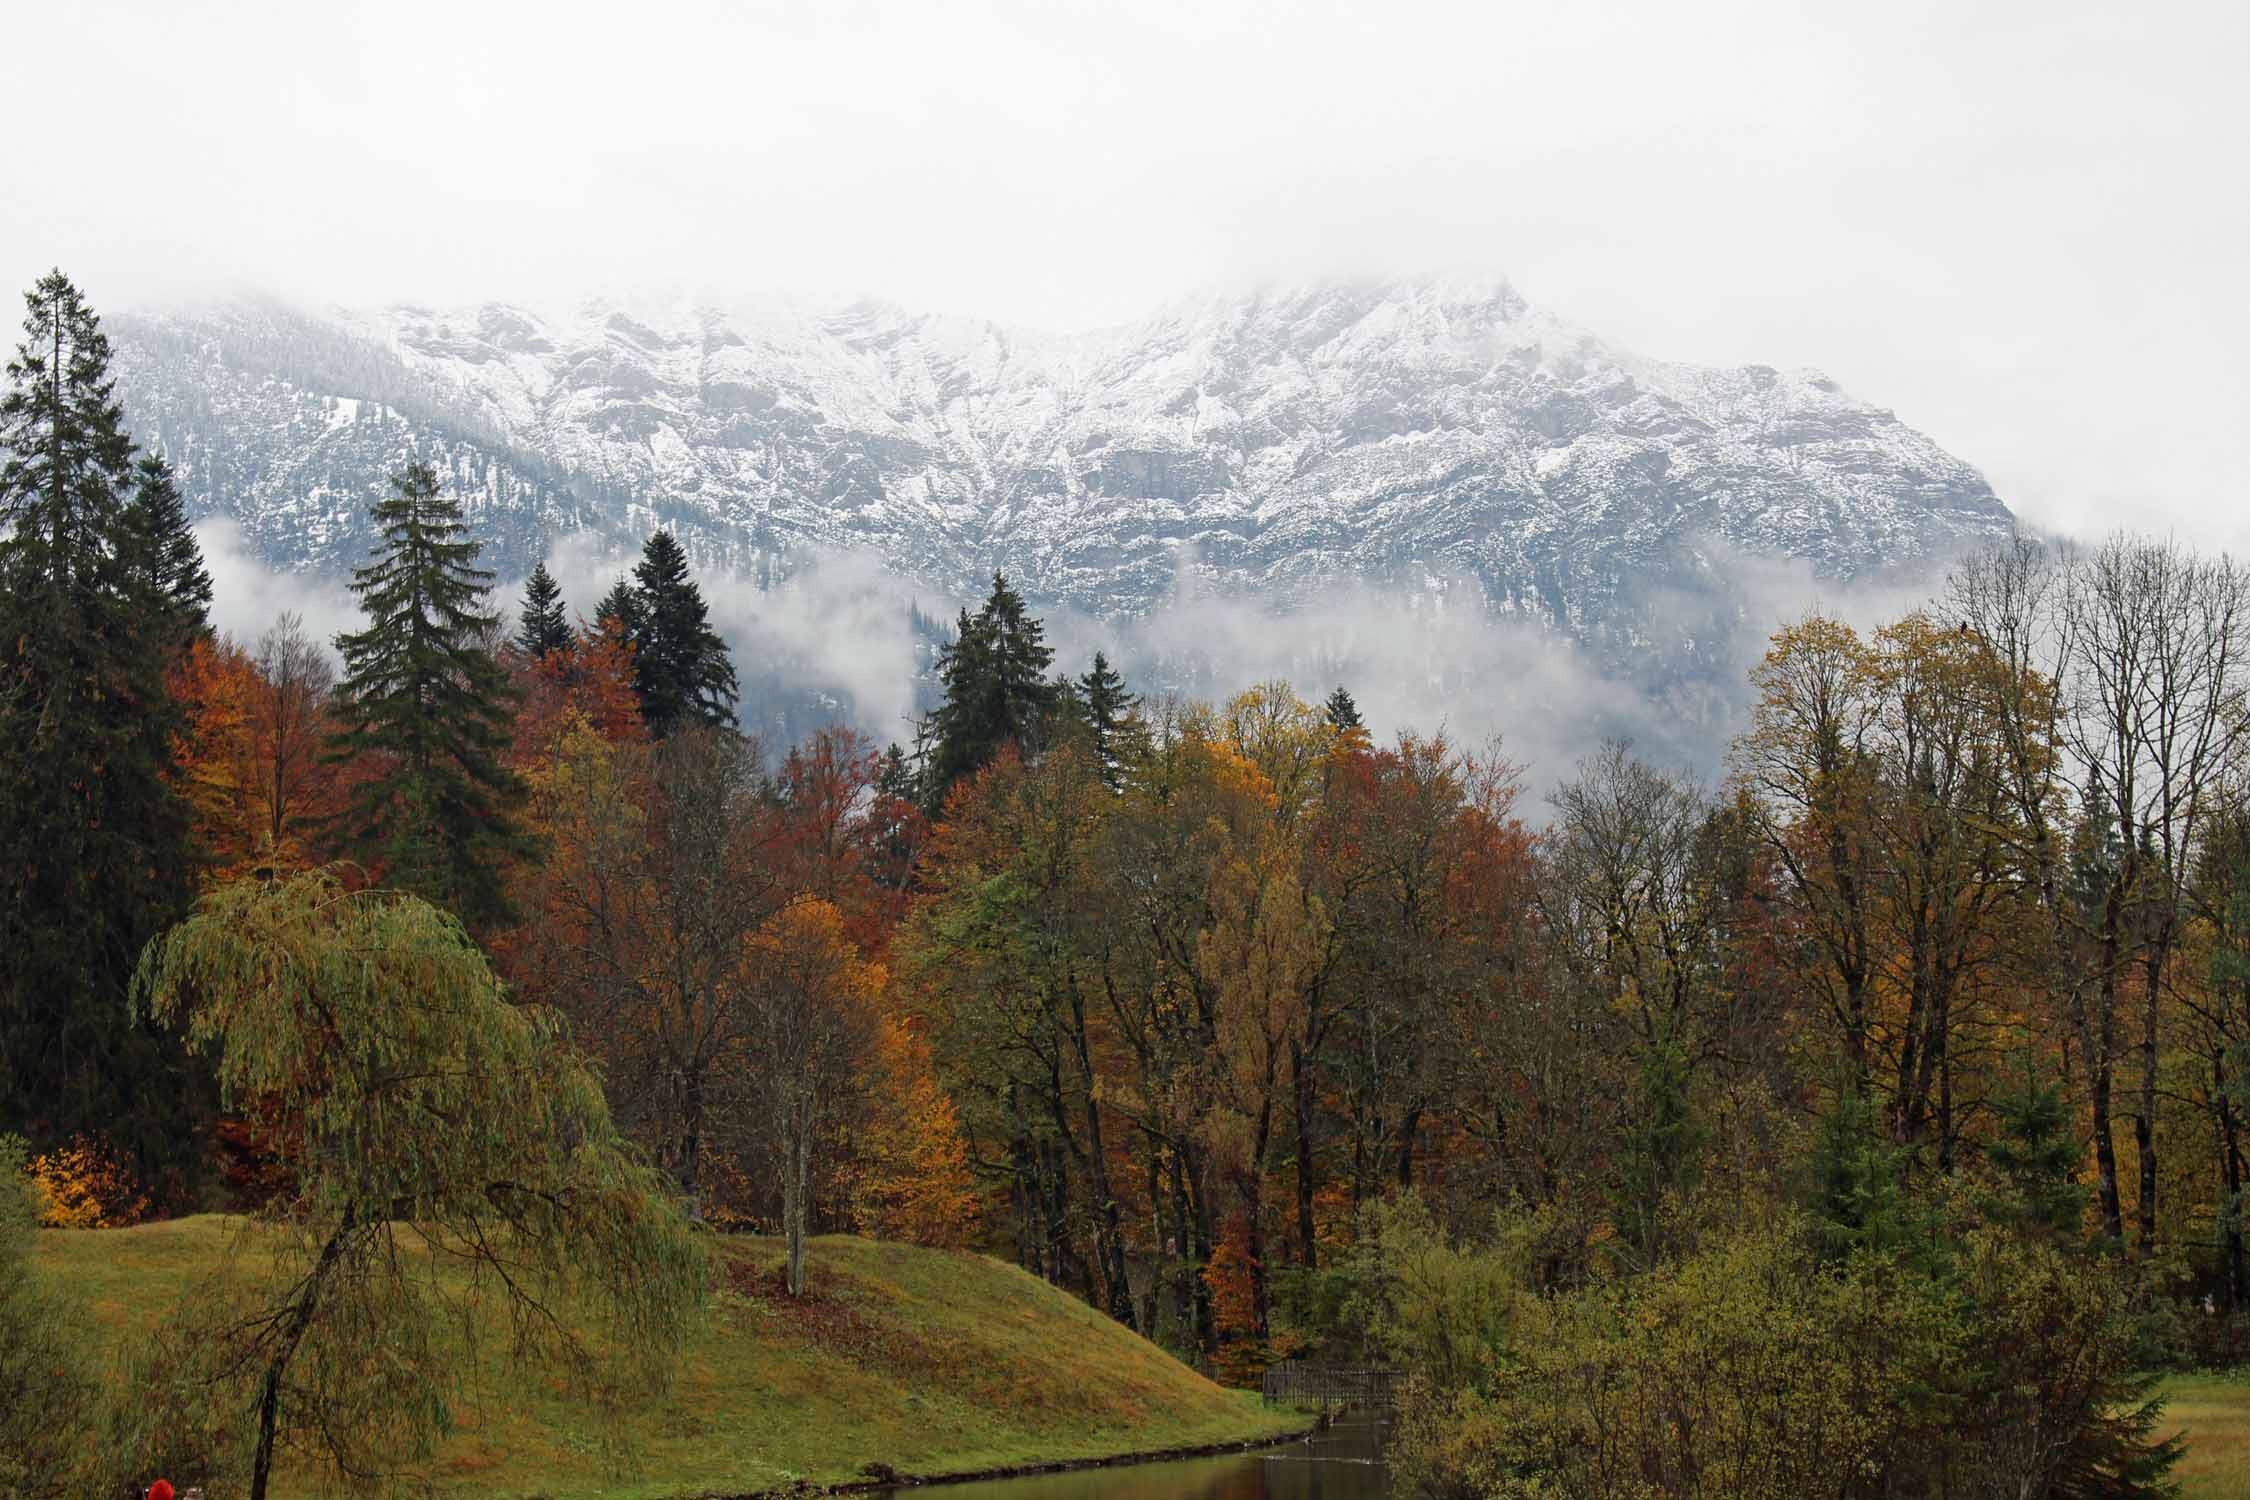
(931, 1362)
(2214, 1412)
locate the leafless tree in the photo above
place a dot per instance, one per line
(287, 722)
(2156, 714)
(1628, 891)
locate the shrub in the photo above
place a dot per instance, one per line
(1425, 1301)
(1762, 1368)
(82, 1185)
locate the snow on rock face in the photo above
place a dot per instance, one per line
(1275, 443)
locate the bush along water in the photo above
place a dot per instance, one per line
(1830, 1341)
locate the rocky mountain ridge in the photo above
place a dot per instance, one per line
(1474, 512)
(1416, 435)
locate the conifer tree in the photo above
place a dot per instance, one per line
(544, 628)
(680, 665)
(996, 688)
(620, 604)
(1109, 710)
(1342, 712)
(424, 697)
(166, 555)
(2038, 1158)
(898, 821)
(95, 851)
(1657, 1155)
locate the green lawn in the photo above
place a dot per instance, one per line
(929, 1361)
(2214, 1411)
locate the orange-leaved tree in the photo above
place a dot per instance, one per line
(815, 1020)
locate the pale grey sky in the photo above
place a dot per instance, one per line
(2022, 225)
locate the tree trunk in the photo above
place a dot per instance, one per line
(1946, 1141)
(690, 1164)
(1198, 1217)
(1109, 1247)
(796, 1197)
(2230, 1169)
(300, 1319)
(2098, 1040)
(2105, 1156)
(2144, 1124)
(1261, 1296)
(1308, 1248)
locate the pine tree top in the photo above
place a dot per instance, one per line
(168, 558)
(622, 605)
(663, 564)
(544, 628)
(681, 667)
(68, 467)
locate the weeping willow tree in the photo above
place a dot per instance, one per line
(456, 1172)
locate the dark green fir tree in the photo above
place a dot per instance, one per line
(1658, 1154)
(423, 700)
(1858, 1189)
(994, 672)
(544, 628)
(623, 606)
(165, 552)
(95, 849)
(1342, 712)
(1110, 713)
(2038, 1157)
(681, 669)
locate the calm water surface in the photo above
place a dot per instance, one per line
(1343, 1463)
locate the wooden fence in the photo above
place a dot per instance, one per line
(1296, 1383)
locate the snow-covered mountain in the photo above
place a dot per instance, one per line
(1389, 432)
(1437, 446)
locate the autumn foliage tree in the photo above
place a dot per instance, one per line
(815, 1023)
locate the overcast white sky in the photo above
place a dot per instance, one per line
(2022, 225)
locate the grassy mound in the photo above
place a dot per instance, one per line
(930, 1362)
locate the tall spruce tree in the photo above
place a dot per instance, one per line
(622, 605)
(95, 850)
(1342, 712)
(544, 628)
(996, 689)
(681, 669)
(426, 703)
(165, 552)
(1109, 711)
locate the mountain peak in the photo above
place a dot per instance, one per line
(1274, 440)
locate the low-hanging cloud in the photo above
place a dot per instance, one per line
(836, 639)
(830, 641)
(248, 594)
(1441, 661)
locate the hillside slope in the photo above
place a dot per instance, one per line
(931, 1362)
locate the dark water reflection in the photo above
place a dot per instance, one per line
(1343, 1463)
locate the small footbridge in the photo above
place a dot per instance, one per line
(1300, 1383)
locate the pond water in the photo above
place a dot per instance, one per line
(1343, 1463)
